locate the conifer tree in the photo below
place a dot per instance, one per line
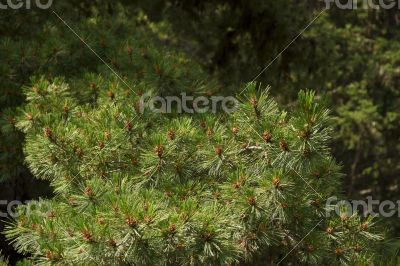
(144, 188)
(125, 45)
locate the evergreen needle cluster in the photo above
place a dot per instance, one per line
(135, 188)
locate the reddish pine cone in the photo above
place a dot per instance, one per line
(283, 145)
(159, 150)
(210, 132)
(364, 227)
(267, 136)
(357, 248)
(49, 255)
(48, 133)
(130, 51)
(338, 252)
(88, 192)
(171, 135)
(158, 70)
(236, 185)
(253, 102)
(130, 221)
(112, 243)
(101, 145)
(111, 95)
(329, 230)
(128, 126)
(218, 150)
(107, 135)
(172, 228)
(276, 181)
(87, 236)
(251, 201)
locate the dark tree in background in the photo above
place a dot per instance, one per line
(350, 55)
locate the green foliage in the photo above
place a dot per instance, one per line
(153, 189)
(350, 55)
(3, 261)
(24, 262)
(126, 47)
